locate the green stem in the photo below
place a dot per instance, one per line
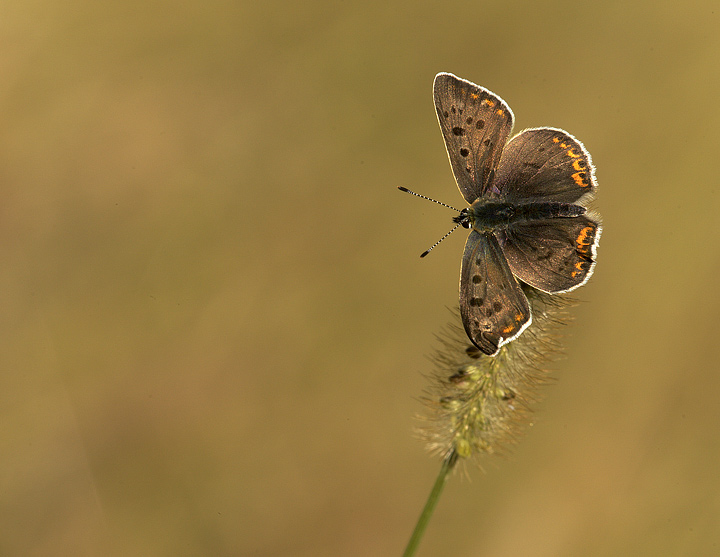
(447, 465)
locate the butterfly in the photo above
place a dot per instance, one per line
(528, 219)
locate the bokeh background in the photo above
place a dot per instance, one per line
(214, 321)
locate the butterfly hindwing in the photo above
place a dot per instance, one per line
(553, 255)
(475, 124)
(545, 164)
(493, 307)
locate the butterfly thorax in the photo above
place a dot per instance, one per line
(486, 216)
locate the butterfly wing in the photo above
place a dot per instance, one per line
(493, 307)
(552, 255)
(475, 124)
(545, 164)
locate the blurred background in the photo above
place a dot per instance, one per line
(214, 320)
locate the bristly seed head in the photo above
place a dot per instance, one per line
(479, 404)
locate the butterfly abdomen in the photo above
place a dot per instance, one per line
(486, 216)
(548, 210)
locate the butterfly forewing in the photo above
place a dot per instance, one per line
(553, 255)
(493, 307)
(545, 164)
(476, 125)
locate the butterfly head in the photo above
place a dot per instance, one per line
(464, 218)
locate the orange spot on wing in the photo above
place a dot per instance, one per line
(584, 239)
(571, 153)
(489, 102)
(580, 180)
(474, 95)
(508, 329)
(578, 165)
(580, 269)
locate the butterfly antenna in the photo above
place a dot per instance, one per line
(423, 254)
(429, 199)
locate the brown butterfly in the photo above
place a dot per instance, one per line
(527, 216)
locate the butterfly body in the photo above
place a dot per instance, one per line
(486, 216)
(527, 216)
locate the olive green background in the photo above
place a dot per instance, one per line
(214, 320)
